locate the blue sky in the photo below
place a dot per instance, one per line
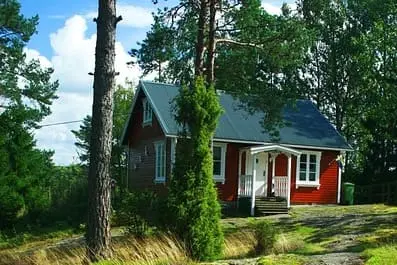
(66, 42)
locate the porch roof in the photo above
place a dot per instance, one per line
(274, 147)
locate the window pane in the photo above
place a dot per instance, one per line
(302, 176)
(313, 159)
(312, 167)
(303, 158)
(312, 176)
(217, 151)
(217, 168)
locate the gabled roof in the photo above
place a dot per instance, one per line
(305, 125)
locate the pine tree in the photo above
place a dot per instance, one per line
(99, 183)
(25, 170)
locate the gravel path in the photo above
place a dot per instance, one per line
(342, 258)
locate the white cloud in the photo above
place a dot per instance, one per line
(133, 16)
(275, 8)
(73, 58)
(271, 9)
(34, 54)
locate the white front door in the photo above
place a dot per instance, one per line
(261, 165)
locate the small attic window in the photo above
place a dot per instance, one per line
(147, 112)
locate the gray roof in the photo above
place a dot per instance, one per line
(305, 125)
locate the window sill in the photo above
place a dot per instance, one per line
(308, 185)
(219, 180)
(146, 123)
(159, 180)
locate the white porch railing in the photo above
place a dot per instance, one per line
(245, 186)
(281, 186)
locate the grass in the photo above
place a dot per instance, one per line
(383, 255)
(300, 237)
(287, 259)
(36, 237)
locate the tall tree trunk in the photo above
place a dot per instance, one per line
(99, 184)
(198, 62)
(211, 43)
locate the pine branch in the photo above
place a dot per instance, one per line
(246, 44)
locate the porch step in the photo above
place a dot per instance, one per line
(265, 205)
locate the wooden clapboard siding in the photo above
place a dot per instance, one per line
(328, 191)
(141, 138)
(228, 190)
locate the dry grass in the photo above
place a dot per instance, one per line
(240, 244)
(286, 243)
(163, 249)
(159, 249)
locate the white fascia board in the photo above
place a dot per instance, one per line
(316, 147)
(156, 112)
(267, 144)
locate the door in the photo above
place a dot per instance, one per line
(261, 165)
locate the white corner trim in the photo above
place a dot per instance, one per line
(339, 180)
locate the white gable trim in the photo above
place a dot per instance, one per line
(154, 109)
(268, 148)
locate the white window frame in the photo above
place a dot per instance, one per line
(221, 177)
(147, 113)
(158, 178)
(307, 182)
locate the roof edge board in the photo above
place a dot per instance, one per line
(155, 110)
(267, 143)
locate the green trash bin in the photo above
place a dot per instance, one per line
(348, 193)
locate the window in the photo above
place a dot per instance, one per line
(308, 166)
(160, 161)
(147, 112)
(219, 157)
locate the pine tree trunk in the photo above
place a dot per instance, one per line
(211, 44)
(99, 188)
(198, 63)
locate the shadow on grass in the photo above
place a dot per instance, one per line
(354, 232)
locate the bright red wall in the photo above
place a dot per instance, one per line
(328, 191)
(228, 190)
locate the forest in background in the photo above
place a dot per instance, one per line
(340, 54)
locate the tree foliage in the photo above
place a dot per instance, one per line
(122, 102)
(193, 196)
(26, 93)
(350, 74)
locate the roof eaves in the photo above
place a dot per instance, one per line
(340, 135)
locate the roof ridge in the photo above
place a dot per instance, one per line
(158, 83)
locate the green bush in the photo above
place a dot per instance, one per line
(265, 233)
(193, 197)
(138, 211)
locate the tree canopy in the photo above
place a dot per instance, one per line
(26, 94)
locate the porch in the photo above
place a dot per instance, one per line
(262, 191)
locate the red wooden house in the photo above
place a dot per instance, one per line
(250, 170)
